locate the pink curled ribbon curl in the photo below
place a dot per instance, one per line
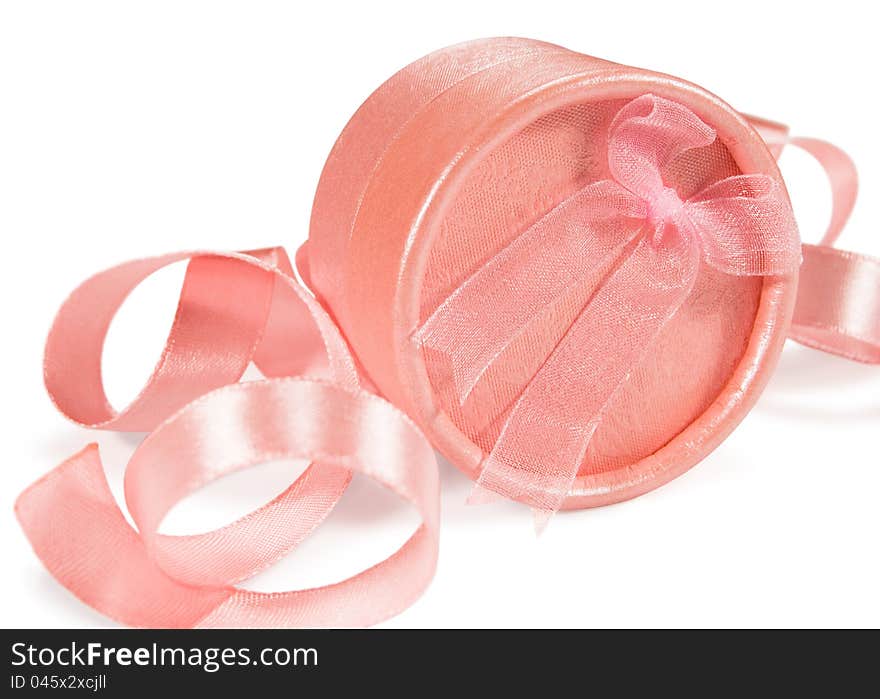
(233, 309)
(838, 304)
(652, 241)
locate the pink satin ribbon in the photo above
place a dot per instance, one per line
(652, 242)
(838, 304)
(838, 307)
(234, 308)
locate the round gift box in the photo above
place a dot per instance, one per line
(443, 165)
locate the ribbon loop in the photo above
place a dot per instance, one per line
(211, 314)
(838, 302)
(645, 136)
(234, 308)
(745, 224)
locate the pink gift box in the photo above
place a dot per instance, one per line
(447, 162)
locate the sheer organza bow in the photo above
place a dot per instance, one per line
(648, 243)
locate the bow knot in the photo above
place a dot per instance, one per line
(664, 207)
(741, 225)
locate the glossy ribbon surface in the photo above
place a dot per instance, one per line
(234, 309)
(838, 304)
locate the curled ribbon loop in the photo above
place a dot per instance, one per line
(654, 243)
(234, 308)
(838, 305)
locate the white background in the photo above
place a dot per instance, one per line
(130, 129)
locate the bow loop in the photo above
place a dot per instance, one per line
(746, 226)
(647, 135)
